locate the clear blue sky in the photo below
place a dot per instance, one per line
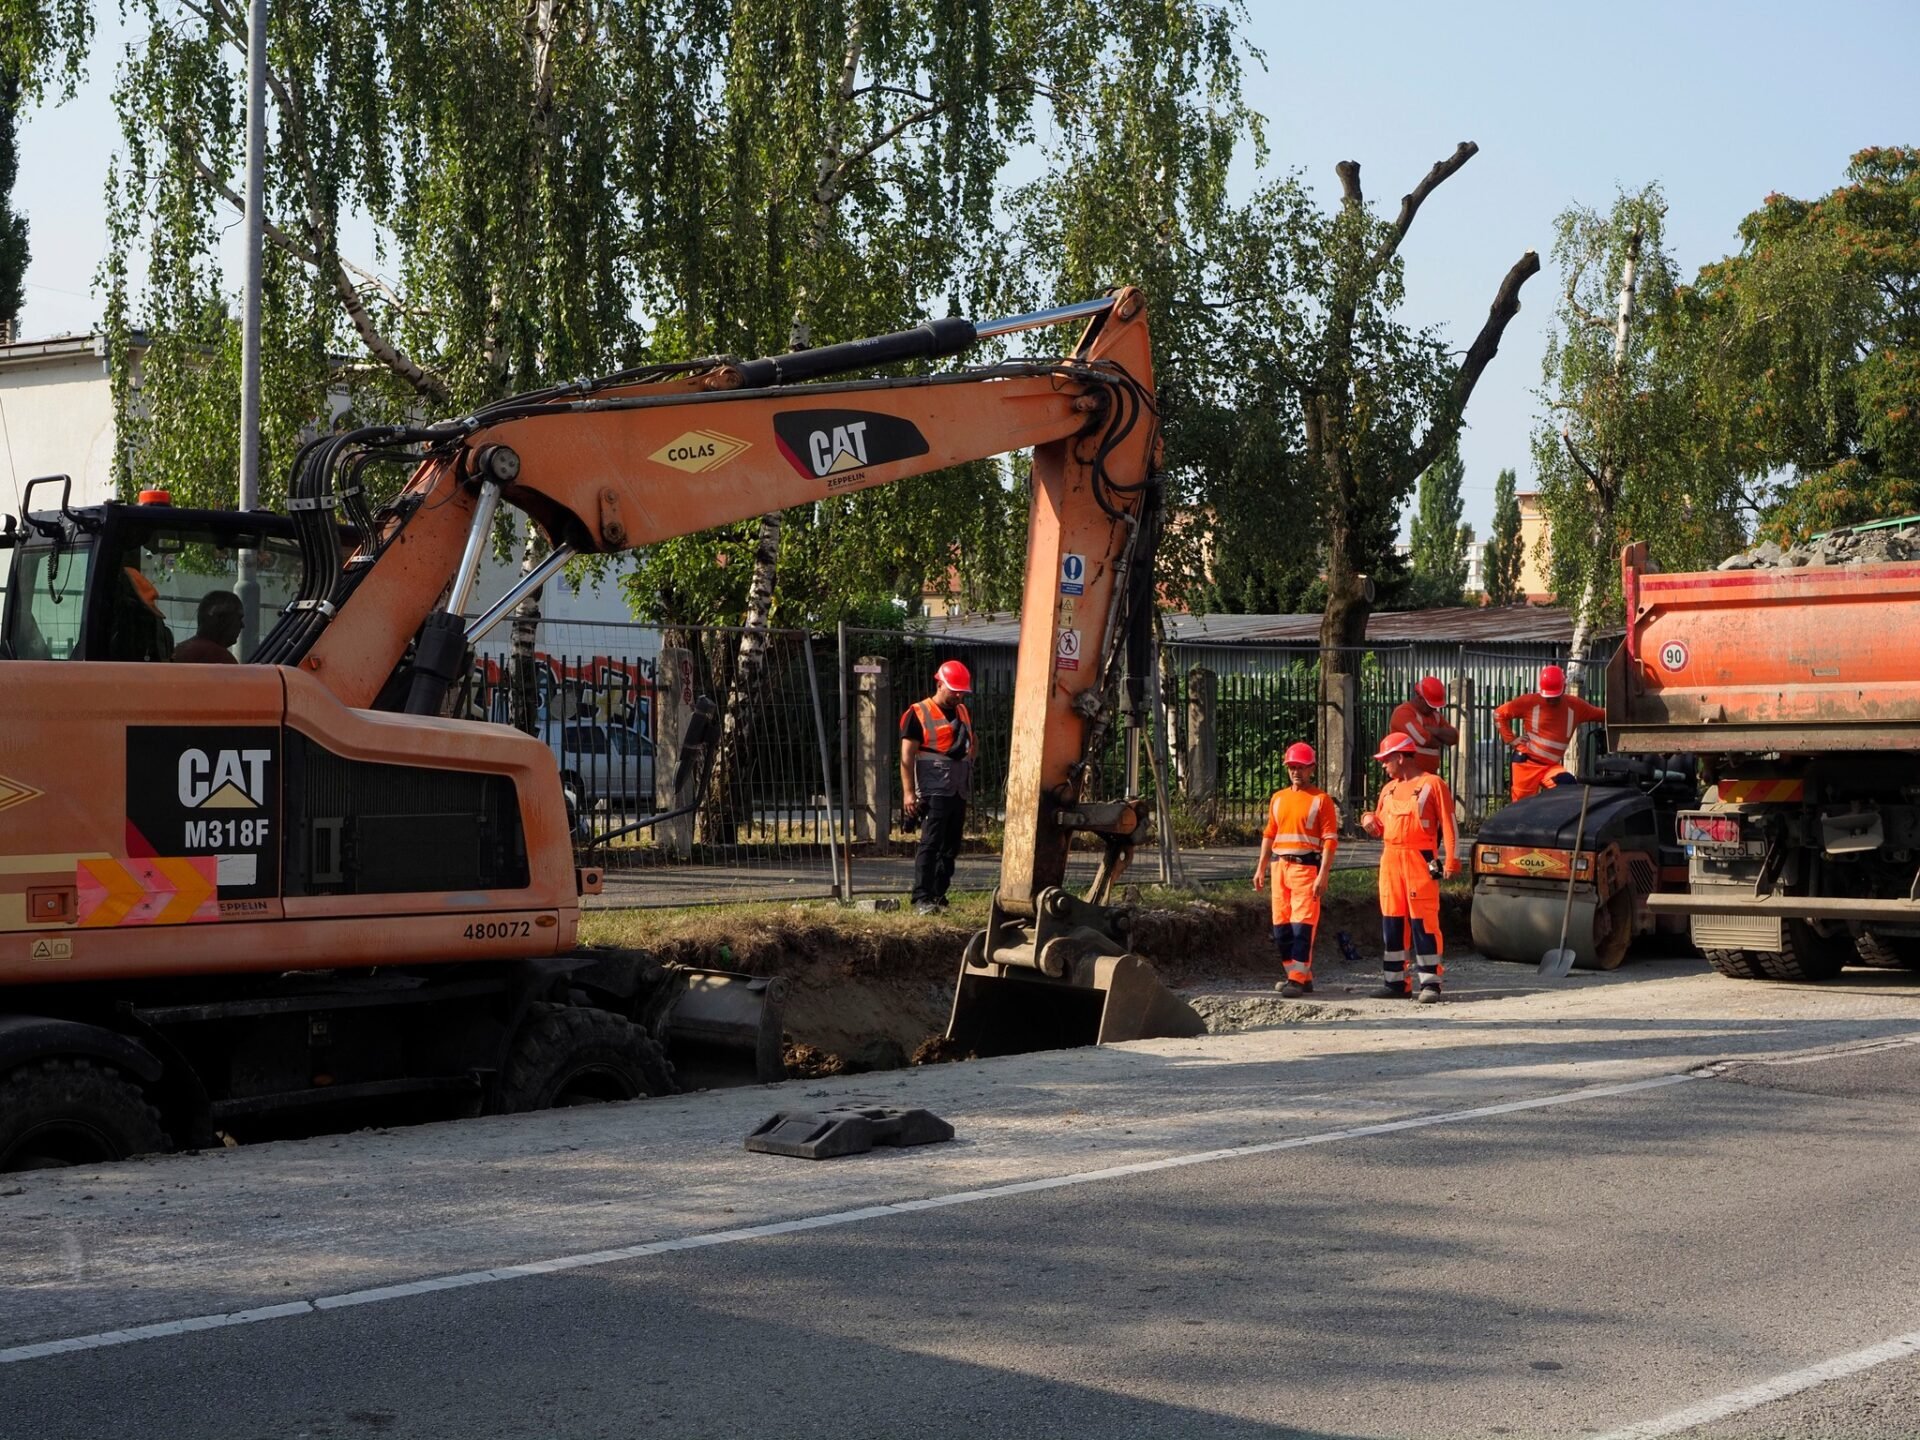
(1721, 103)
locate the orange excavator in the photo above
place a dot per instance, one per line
(234, 892)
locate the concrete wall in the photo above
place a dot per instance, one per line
(56, 418)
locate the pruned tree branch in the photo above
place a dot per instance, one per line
(1410, 203)
(1506, 305)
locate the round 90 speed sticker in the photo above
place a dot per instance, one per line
(1673, 655)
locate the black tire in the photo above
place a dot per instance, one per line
(1735, 964)
(1888, 952)
(56, 1113)
(576, 1055)
(1805, 955)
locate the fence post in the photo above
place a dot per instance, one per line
(826, 765)
(845, 817)
(1463, 747)
(673, 676)
(875, 747)
(1203, 745)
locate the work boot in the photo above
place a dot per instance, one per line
(1429, 995)
(1293, 989)
(1391, 991)
(926, 907)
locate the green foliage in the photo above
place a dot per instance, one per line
(1810, 340)
(42, 40)
(1626, 453)
(13, 228)
(562, 188)
(1439, 541)
(1505, 550)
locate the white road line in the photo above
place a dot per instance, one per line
(1734, 1402)
(161, 1330)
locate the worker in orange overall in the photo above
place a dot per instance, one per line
(1421, 720)
(1302, 831)
(1551, 717)
(1414, 814)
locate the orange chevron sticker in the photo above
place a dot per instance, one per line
(1762, 792)
(154, 891)
(16, 792)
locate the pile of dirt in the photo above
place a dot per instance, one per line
(1841, 547)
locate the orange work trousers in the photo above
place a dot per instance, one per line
(1530, 777)
(1409, 918)
(1296, 916)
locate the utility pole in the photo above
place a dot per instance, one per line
(249, 584)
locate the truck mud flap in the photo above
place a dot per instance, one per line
(722, 1028)
(1101, 1000)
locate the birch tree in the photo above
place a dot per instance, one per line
(1625, 452)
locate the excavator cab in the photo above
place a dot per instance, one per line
(127, 582)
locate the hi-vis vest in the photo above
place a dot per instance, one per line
(944, 765)
(1300, 821)
(1413, 722)
(1412, 812)
(1550, 724)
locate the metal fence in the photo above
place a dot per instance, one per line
(778, 811)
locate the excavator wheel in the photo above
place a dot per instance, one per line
(1888, 952)
(57, 1113)
(577, 1055)
(1736, 964)
(1805, 954)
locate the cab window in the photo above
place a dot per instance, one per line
(44, 612)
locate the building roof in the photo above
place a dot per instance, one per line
(1487, 625)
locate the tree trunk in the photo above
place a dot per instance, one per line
(750, 667)
(1606, 481)
(523, 677)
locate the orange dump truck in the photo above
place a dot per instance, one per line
(1799, 691)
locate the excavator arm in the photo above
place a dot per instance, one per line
(645, 457)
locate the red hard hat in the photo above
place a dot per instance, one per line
(1553, 682)
(1432, 691)
(1299, 753)
(954, 676)
(1398, 743)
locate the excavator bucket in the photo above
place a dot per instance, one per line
(1062, 982)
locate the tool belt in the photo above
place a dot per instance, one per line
(1309, 860)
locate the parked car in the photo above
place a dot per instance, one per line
(604, 767)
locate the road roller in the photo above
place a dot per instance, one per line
(1626, 851)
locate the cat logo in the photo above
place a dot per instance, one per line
(838, 445)
(225, 780)
(842, 448)
(698, 451)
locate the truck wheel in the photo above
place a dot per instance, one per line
(576, 1055)
(1805, 954)
(57, 1113)
(1735, 964)
(1893, 952)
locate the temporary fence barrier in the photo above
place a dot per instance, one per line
(801, 796)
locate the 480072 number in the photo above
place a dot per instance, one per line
(499, 930)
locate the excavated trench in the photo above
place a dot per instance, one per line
(877, 998)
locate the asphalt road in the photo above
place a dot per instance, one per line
(1571, 1211)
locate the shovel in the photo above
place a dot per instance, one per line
(1557, 963)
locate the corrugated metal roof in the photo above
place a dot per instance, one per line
(1486, 625)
